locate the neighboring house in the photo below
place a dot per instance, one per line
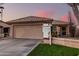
(4, 29)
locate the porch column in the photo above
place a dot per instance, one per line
(11, 31)
(67, 31)
(58, 30)
(50, 36)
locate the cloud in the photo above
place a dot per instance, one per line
(45, 13)
(64, 18)
(42, 13)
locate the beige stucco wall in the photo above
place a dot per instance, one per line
(70, 42)
(11, 31)
(31, 31)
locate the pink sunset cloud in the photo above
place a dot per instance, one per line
(44, 13)
(64, 18)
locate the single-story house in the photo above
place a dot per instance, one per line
(30, 27)
(33, 27)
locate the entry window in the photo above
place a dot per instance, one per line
(54, 31)
(63, 30)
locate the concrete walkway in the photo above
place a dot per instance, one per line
(17, 47)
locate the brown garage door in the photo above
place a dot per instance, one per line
(32, 32)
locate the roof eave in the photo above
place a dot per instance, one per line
(49, 21)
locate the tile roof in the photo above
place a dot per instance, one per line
(30, 19)
(59, 22)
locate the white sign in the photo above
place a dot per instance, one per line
(46, 30)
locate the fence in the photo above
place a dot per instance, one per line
(70, 42)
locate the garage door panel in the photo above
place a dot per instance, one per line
(33, 32)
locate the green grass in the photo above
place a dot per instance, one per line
(54, 50)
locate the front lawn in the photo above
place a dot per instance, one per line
(54, 50)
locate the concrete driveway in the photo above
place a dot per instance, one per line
(17, 47)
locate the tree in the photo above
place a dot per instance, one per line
(71, 26)
(76, 13)
(75, 9)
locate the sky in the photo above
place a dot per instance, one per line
(57, 11)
